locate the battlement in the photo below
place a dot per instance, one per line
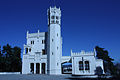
(54, 10)
(34, 35)
(82, 53)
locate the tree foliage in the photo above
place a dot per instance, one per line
(10, 60)
(107, 60)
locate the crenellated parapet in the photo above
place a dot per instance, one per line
(34, 35)
(82, 53)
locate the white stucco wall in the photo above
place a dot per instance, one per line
(85, 56)
(35, 56)
(54, 42)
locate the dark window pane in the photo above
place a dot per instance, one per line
(30, 50)
(26, 50)
(43, 52)
(57, 22)
(87, 65)
(81, 65)
(57, 17)
(52, 17)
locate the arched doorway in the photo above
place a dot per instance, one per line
(66, 68)
(32, 68)
(37, 68)
(43, 68)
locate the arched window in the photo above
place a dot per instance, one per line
(57, 17)
(26, 50)
(81, 65)
(30, 50)
(87, 65)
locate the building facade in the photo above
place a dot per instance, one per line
(43, 52)
(85, 63)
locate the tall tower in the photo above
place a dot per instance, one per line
(54, 41)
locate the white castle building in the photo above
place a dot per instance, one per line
(43, 52)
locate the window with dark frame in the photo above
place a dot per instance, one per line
(57, 22)
(57, 17)
(52, 40)
(81, 67)
(43, 51)
(52, 21)
(52, 17)
(26, 50)
(87, 65)
(30, 50)
(43, 41)
(33, 42)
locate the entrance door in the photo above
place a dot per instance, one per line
(37, 68)
(43, 68)
(32, 68)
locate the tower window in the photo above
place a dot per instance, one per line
(43, 41)
(52, 21)
(57, 22)
(52, 53)
(52, 40)
(57, 17)
(32, 42)
(57, 64)
(57, 48)
(57, 34)
(52, 17)
(43, 51)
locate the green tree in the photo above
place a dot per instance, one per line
(107, 61)
(7, 50)
(11, 59)
(16, 59)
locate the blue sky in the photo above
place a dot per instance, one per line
(85, 23)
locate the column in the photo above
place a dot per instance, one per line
(40, 68)
(34, 68)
